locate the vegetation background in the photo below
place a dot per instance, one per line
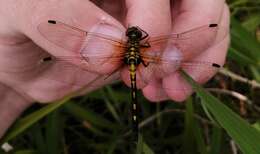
(97, 122)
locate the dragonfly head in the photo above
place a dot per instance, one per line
(134, 33)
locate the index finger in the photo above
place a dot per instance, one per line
(189, 14)
(154, 17)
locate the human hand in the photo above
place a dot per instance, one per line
(21, 25)
(178, 17)
(22, 48)
(166, 17)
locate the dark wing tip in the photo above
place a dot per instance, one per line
(52, 21)
(213, 25)
(216, 65)
(47, 59)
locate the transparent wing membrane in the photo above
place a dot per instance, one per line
(190, 43)
(58, 72)
(164, 85)
(95, 54)
(96, 49)
(72, 38)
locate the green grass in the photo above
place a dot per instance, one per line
(206, 124)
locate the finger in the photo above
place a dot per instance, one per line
(189, 14)
(11, 106)
(175, 86)
(154, 91)
(22, 69)
(154, 17)
(115, 8)
(22, 66)
(217, 54)
(80, 14)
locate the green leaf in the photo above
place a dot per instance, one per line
(192, 134)
(201, 145)
(244, 42)
(147, 149)
(25, 152)
(54, 133)
(38, 139)
(139, 147)
(252, 23)
(216, 140)
(245, 136)
(256, 73)
(188, 137)
(257, 125)
(142, 147)
(24, 123)
(89, 116)
(240, 57)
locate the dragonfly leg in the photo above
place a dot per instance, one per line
(145, 64)
(146, 45)
(146, 34)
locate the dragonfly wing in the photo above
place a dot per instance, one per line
(77, 66)
(55, 72)
(160, 68)
(190, 43)
(164, 79)
(170, 53)
(95, 50)
(72, 38)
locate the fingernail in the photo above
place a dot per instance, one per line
(101, 39)
(101, 43)
(172, 57)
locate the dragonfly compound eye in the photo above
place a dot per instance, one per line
(133, 32)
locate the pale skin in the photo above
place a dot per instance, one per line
(18, 34)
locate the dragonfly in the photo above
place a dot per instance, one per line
(143, 56)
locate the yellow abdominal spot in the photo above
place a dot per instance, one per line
(134, 94)
(134, 118)
(132, 67)
(132, 75)
(134, 106)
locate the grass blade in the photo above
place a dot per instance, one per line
(24, 123)
(89, 116)
(216, 140)
(245, 136)
(54, 131)
(188, 137)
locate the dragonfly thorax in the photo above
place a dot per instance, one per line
(132, 58)
(132, 54)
